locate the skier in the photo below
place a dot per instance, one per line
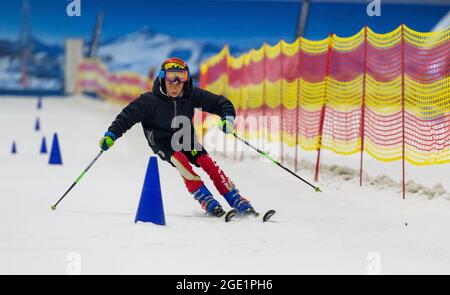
(172, 101)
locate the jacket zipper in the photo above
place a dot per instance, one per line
(175, 113)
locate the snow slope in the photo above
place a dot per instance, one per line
(346, 229)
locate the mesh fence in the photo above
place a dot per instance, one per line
(384, 94)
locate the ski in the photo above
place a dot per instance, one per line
(219, 212)
(232, 213)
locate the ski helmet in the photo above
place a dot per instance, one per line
(174, 65)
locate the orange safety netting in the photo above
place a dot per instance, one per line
(386, 94)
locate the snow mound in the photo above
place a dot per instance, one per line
(381, 182)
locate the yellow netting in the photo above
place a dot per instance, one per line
(391, 90)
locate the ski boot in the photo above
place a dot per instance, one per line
(208, 203)
(239, 203)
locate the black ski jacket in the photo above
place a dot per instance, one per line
(156, 111)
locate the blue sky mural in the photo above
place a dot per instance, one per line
(139, 34)
(246, 23)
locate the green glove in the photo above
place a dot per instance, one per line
(107, 141)
(227, 124)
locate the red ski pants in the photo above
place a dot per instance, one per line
(192, 181)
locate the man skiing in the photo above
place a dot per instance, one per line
(160, 113)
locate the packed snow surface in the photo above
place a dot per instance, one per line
(346, 229)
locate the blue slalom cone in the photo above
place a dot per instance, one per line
(37, 125)
(55, 153)
(151, 205)
(39, 103)
(43, 146)
(14, 148)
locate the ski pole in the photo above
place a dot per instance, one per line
(78, 179)
(316, 188)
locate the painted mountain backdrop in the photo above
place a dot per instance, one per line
(137, 51)
(44, 66)
(146, 48)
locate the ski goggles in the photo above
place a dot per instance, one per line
(176, 75)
